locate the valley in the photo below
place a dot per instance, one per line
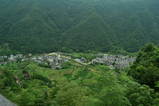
(79, 52)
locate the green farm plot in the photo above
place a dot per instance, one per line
(100, 67)
(68, 76)
(81, 74)
(87, 81)
(78, 81)
(31, 68)
(85, 77)
(90, 75)
(75, 74)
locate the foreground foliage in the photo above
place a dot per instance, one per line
(145, 69)
(28, 84)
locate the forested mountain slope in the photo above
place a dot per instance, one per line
(78, 25)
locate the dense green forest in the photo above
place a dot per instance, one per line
(27, 84)
(40, 26)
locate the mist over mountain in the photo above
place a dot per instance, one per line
(78, 25)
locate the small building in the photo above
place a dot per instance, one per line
(84, 60)
(19, 56)
(11, 57)
(1, 58)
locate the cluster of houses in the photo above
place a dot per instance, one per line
(115, 61)
(53, 61)
(4, 60)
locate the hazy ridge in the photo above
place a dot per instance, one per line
(81, 26)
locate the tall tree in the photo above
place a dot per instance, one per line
(145, 69)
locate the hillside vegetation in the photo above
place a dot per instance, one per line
(78, 25)
(76, 84)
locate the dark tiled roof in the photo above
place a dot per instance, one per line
(5, 102)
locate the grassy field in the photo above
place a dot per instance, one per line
(81, 73)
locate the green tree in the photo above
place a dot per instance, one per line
(141, 95)
(71, 94)
(109, 92)
(145, 69)
(34, 95)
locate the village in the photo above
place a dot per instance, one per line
(55, 60)
(115, 61)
